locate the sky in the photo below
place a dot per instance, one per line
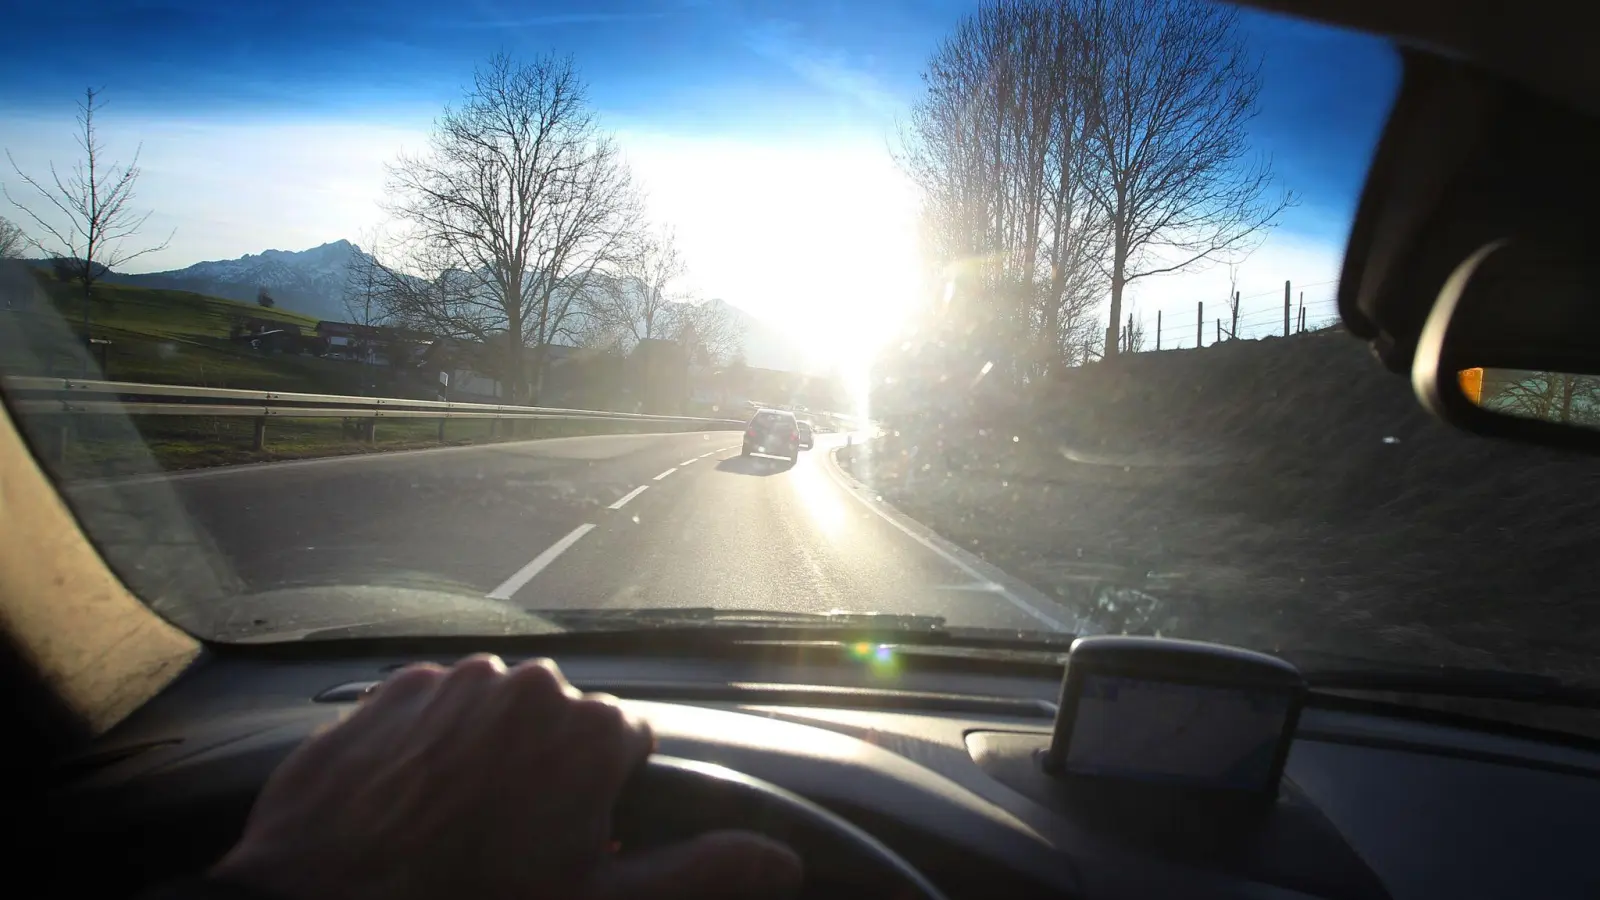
(761, 133)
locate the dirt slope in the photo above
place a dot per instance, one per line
(1284, 493)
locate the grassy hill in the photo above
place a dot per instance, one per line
(178, 337)
(163, 336)
(1283, 493)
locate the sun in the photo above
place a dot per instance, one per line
(817, 237)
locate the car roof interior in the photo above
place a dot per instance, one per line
(80, 653)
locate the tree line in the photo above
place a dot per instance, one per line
(520, 226)
(1066, 149)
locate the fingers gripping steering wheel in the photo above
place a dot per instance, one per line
(669, 799)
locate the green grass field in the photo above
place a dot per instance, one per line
(160, 336)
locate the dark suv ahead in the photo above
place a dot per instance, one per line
(773, 431)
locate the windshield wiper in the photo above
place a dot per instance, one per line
(673, 617)
(717, 624)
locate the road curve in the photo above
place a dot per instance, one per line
(614, 521)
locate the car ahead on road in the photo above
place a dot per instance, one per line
(774, 432)
(807, 439)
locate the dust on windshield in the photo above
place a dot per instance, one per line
(424, 319)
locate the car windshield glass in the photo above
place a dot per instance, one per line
(431, 318)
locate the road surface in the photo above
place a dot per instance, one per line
(618, 521)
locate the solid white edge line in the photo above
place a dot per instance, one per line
(525, 574)
(838, 476)
(665, 474)
(628, 496)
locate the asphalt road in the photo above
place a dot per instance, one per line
(619, 521)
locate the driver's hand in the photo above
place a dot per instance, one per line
(483, 782)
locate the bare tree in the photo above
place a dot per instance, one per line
(13, 242)
(1133, 335)
(515, 216)
(708, 328)
(367, 281)
(641, 303)
(1174, 87)
(1546, 396)
(84, 217)
(997, 145)
(1233, 301)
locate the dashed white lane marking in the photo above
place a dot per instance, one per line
(628, 496)
(537, 565)
(712, 453)
(687, 461)
(665, 474)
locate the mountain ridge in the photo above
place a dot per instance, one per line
(312, 282)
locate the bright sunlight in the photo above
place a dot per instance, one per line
(818, 237)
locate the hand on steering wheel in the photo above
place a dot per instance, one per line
(479, 781)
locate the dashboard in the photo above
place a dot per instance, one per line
(939, 762)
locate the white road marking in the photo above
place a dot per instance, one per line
(526, 573)
(687, 461)
(712, 453)
(665, 474)
(953, 560)
(628, 496)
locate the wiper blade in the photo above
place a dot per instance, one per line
(670, 617)
(720, 625)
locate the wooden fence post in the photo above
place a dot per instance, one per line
(1219, 329)
(1199, 325)
(1286, 307)
(1158, 329)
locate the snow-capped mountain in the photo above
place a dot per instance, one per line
(311, 282)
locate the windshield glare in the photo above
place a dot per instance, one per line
(539, 281)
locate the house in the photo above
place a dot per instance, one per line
(374, 344)
(350, 340)
(473, 370)
(266, 335)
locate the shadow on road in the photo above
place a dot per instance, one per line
(754, 465)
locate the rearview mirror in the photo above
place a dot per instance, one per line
(1511, 347)
(1559, 397)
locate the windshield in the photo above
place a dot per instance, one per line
(426, 319)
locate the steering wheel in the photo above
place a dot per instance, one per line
(670, 799)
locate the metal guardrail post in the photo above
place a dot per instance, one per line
(441, 429)
(259, 442)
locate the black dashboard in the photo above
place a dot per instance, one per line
(938, 760)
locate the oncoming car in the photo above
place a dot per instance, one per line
(774, 432)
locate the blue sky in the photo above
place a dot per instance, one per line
(760, 130)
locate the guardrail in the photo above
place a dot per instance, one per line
(68, 398)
